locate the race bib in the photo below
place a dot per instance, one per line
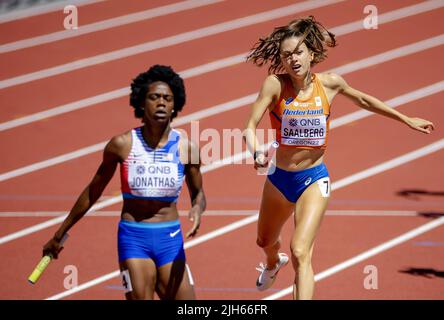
(304, 131)
(324, 186)
(153, 180)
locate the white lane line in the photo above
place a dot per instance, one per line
(215, 29)
(106, 24)
(218, 213)
(168, 41)
(395, 102)
(400, 52)
(387, 165)
(51, 222)
(189, 244)
(414, 95)
(109, 202)
(53, 161)
(115, 94)
(223, 63)
(373, 213)
(366, 254)
(335, 186)
(33, 214)
(220, 231)
(43, 9)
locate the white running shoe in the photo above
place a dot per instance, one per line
(267, 276)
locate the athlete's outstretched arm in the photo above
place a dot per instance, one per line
(195, 186)
(269, 93)
(373, 104)
(89, 196)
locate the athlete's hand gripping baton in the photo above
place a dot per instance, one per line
(270, 154)
(44, 262)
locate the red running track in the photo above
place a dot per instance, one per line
(362, 215)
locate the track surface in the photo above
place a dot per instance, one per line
(362, 214)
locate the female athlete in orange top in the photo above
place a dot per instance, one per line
(299, 105)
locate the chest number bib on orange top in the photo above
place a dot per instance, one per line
(154, 179)
(303, 131)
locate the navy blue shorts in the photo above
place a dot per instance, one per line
(160, 241)
(293, 183)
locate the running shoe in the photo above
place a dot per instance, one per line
(267, 276)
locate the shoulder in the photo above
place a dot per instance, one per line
(273, 83)
(187, 146)
(332, 81)
(271, 87)
(120, 141)
(119, 145)
(189, 150)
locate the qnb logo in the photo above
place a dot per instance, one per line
(140, 170)
(71, 21)
(293, 122)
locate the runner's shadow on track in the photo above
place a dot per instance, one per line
(424, 272)
(414, 194)
(431, 215)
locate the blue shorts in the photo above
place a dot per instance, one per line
(160, 241)
(293, 183)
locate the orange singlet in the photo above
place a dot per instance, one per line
(301, 123)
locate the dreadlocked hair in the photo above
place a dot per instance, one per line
(315, 36)
(140, 84)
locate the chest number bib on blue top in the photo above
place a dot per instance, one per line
(304, 131)
(154, 179)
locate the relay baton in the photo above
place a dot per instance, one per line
(272, 150)
(44, 262)
(270, 154)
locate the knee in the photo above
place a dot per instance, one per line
(265, 242)
(261, 242)
(138, 294)
(301, 253)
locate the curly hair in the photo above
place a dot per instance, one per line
(316, 37)
(140, 84)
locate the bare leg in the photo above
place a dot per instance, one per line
(310, 210)
(142, 276)
(275, 210)
(174, 282)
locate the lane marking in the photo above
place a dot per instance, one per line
(366, 254)
(216, 29)
(187, 245)
(434, 147)
(215, 165)
(220, 64)
(106, 24)
(52, 222)
(218, 213)
(395, 102)
(43, 9)
(172, 40)
(431, 148)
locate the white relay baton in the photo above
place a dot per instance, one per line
(270, 155)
